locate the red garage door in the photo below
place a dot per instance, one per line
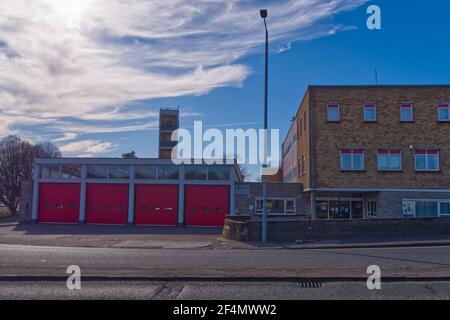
(107, 203)
(156, 205)
(59, 202)
(206, 205)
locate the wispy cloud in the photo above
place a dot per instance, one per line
(91, 60)
(87, 147)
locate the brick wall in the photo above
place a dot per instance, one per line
(282, 230)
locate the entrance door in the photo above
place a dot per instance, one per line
(107, 203)
(59, 202)
(156, 204)
(206, 205)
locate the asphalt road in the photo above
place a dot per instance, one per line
(143, 290)
(16, 260)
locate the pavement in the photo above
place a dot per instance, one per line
(102, 236)
(260, 291)
(9, 221)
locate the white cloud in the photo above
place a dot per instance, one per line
(90, 60)
(87, 147)
(66, 136)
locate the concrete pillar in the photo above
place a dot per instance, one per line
(181, 195)
(83, 188)
(35, 203)
(131, 196)
(313, 206)
(232, 191)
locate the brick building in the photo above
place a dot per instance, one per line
(372, 151)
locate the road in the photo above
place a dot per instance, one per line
(223, 274)
(17, 260)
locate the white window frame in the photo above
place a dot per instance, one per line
(371, 105)
(335, 106)
(372, 208)
(439, 106)
(352, 161)
(389, 160)
(426, 161)
(410, 106)
(303, 160)
(284, 213)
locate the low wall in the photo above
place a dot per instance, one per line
(288, 230)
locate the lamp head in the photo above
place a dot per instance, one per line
(263, 13)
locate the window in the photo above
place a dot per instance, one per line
(444, 112)
(370, 113)
(145, 172)
(70, 172)
(333, 113)
(304, 120)
(290, 206)
(196, 172)
(340, 210)
(427, 160)
(167, 172)
(276, 206)
(406, 112)
(303, 165)
(445, 208)
(371, 209)
(389, 160)
(97, 172)
(352, 160)
(50, 172)
(322, 210)
(218, 173)
(426, 209)
(119, 172)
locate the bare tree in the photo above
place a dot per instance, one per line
(47, 150)
(16, 165)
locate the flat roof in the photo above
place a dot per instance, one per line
(155, 161)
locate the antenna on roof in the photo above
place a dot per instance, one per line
(376, 36)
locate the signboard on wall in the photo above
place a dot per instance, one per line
(409, 208)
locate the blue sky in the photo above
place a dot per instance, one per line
(92, 78)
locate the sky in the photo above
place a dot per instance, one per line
(91, 75)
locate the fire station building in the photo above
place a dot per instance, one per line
(132, 191)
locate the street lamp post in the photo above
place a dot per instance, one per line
(263, 14)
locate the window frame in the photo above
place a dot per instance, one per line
(372, 208)
(437, 152)
(353, 152)
(389, 155)
(285, 211)
(371, 106)
(439, 202)
(338, 107)
(407, 105)
(303, 165)
(443, 105)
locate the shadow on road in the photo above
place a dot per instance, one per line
(58, 229)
